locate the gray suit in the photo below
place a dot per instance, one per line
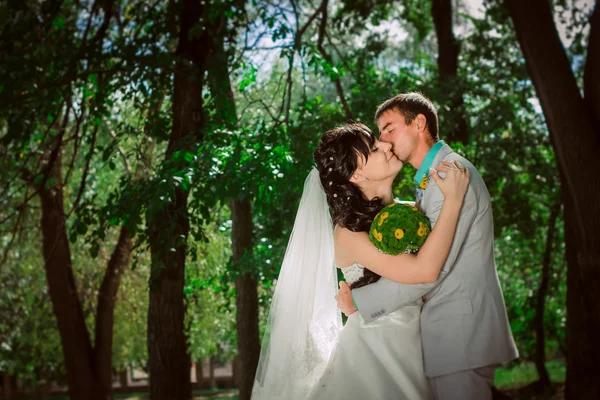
(464, 325)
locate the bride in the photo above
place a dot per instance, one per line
(306, 354)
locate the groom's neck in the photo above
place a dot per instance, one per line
(419, 154)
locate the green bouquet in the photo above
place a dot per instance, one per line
(399, 228)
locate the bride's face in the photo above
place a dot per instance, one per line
(381, 165)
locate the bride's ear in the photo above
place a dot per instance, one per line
(356, 177)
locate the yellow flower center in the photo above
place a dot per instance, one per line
(377, 235)
(399, 233)
(382, 218)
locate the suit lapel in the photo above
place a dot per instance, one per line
(421, 193)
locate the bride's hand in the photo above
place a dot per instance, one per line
(454, 185)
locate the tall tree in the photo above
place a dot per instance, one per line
(574, 124)
(240, 204)
(63, 49)
(448, 51)
(540, 306)
(168, 220)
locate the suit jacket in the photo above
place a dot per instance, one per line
(463, 321)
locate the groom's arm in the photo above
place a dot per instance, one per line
(385, 296)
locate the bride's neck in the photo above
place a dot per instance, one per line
(383, 192)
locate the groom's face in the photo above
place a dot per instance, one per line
(394, 130)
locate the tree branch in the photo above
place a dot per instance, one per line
(14, 232)
(79, 119)
(86, 170)
(591, 74)
(338, 83)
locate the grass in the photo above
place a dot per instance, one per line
(524, 374)
(505, 379)
(229, 394)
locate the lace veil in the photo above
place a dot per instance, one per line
(304, 321)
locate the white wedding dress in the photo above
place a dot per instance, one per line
(382, 360)
(306, 353)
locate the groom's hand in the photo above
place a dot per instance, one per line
(344, 299)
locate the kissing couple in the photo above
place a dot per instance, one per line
(427, 324)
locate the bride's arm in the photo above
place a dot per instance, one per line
(426, 265)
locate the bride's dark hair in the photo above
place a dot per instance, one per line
(337, 158)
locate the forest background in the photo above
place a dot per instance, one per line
(153, 153)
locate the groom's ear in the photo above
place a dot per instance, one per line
(421, 123)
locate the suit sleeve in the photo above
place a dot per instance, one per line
(385, 296)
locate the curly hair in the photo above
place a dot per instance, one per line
(336, 158)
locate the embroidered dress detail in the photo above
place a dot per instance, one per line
(353, 273)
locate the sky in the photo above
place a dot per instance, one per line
(265, 60)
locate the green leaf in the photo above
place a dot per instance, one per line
(188, 156)
(58, 23)
(81, 228)
(94, 250)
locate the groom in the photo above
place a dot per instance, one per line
(464, 327)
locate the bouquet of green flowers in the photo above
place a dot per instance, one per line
(399, 228)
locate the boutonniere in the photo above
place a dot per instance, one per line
(424, 182)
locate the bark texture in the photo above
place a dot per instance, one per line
(242, 226)
(76, 345)
(105, 313)
(246, 298)
(540, 344)
(448, 51)
(573, 125)
(169, 362)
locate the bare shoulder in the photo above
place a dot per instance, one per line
(345, 241)
(343, 237)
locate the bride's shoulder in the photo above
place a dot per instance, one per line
(340, 232)
(344, 237)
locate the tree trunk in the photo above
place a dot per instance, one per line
(212, 382)
(540, 344)
(169, 360)
(242, 236)
(199, 372)
(448, 50)
(6, 387)
(105, 314)
(84, 366)
(124, 377)
(235, 371)
(76, 345)
(246, 298)
(578, 334)
(89, 369)
(591, 77)
(572, 123)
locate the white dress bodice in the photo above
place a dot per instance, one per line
(353, 273)
(379, 360)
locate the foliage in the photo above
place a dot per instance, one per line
(109, 100)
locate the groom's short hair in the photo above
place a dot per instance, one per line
(410, 105)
